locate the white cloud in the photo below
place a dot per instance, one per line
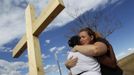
(131, 49)
(12, 22)
(5, 49)
(52, 49)
(51, 68)
(61, 48)
(45, 56)
(13, 19)
(57, 49)
(47, 41)
(11, 68)
(11, 27)
(86, 4)
(79, 8)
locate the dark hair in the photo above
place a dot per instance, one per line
(90, 32)
(74, 40)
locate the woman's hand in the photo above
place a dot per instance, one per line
(75, 48)
(71, 62)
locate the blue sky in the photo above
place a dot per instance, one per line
(53, 39)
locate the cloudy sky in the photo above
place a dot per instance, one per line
(53, 39)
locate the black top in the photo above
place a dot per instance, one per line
(105, 70)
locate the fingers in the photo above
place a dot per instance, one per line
(75, 59)
(71, 62)
(70, 57)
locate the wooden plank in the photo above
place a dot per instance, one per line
(47, 15)
(34, 53)
(20, 47)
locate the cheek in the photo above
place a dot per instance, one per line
(84, 41)
(87, 41)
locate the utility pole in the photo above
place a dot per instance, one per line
(56, 58)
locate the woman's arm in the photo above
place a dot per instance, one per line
(91, 50)
(95, 49)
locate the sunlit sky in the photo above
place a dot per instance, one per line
(53, 39)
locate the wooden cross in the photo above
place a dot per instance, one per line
(34, 26)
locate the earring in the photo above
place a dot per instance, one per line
(91, 37)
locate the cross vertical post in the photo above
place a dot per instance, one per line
(34, 52)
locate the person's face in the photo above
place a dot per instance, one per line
(84, 38)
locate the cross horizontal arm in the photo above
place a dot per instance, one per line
(47, 15)
(20, 47)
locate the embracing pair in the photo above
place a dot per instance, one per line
(91, 55)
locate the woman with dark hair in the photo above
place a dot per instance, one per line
(99, 48)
